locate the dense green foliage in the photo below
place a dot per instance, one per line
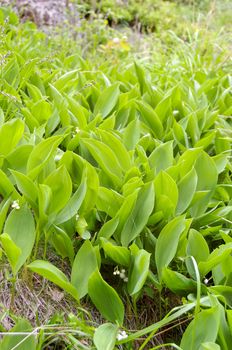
(123, 168)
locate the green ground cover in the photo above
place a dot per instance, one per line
(115, 183)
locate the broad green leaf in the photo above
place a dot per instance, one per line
(19, 341)
(140, 73)
(215, 258)
(105, 336)
(205, 166)
(162, 157)
(41, 154)
(220, 162)
(197, 332)
(105, 298)
(139, 215)
(6, 187)
(120, 255)
(167, 242)
(209, 346)
(12, 252)
(18, 158)
(163, 107)
(53, 274)
(186, 190)
(109, 201)
(4, 207)
(166, 192)
(197, 246)
(131, 134)
(26, 187)
(63, 243)
(108, 229)
(92, 188)
(200, 203)
(84, 265)
(79, 111)
(107, 100)
(138, 271)
(116, 145)
(41, 110)
(106, 158)
(150, 117)
(44, 199)
(177, 282)
(61, 186)
(73, 204)
(10, 134)
(20, 226)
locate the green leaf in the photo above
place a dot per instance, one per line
(116, 145)
(209, 346)
(108, 229)
(12, 251)
(162, 157)
(109, 201)
(177, 282)
(138, 271)
(215, 258)
(139, 215)
(203, 328)
(6, 187)
(197, 246)
(84, 265)
(73, 204)
(167, 242)
(26, 341)
(105, 336)
(106, 299)
(150, 117)
(186, 189)
(120, 255)
(141, 78)
(63, 243)
(106, 158)
(107, 100)
(53, 274)
(131, 134)
(20, 227)
(205, 166)
(10, 135)
(61, 186)
(166, 192)
(26, 187)
(41, 155)
(18, 158)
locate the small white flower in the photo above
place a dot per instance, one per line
(122, 335)
(77, 217)
(116, 40)
(123, 271)
(15, 205)
(77, 130)
(125, 279)
(206, 281)
(122, 275)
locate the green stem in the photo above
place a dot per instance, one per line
(12, 300)
(37, 235)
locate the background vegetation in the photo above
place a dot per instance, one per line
(115, 177)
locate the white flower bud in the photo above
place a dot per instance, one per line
(116, 40)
